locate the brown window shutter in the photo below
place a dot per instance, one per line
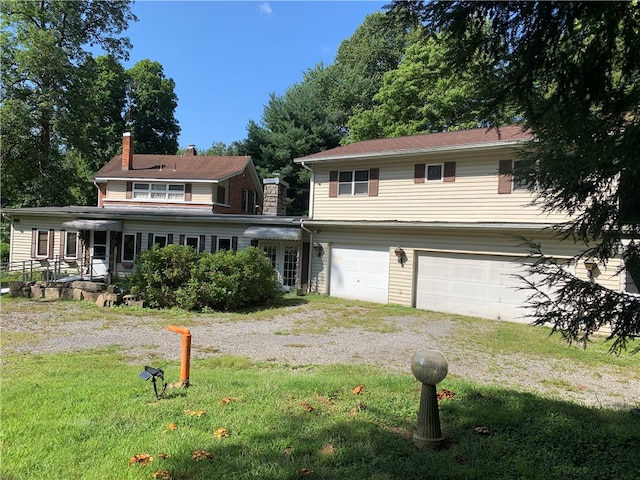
(374, 176)
(129, 189)
(169, 238)
(118, 246)
(504, 176)
(333, 183)
(181, 239)
(202, 240)
(234, 244)
(63, 241)
(214, 243)
(449, 172)
(254, 242)
(34, 242)
(187, 192)
(150, 241)
(418, 173)
(52, 234)
(138, 243)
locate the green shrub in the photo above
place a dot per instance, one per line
(4, 252)
(228, 280)
(160, 272)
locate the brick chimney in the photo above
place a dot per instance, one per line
(275, 197)
(191, 150)
(127, 151)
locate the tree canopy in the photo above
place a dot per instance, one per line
(573, 70)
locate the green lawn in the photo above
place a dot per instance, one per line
(86, 415)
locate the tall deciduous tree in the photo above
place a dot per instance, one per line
(154, 126)
(43, 44)
(573, 69)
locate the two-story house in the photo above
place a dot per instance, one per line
(207, 202)
(431, 221)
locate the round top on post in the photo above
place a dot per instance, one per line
(429, 366)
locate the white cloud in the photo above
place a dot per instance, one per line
(265, 9)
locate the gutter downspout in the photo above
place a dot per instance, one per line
(310, 259)
(311, 189)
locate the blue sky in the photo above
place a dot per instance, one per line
(227, 57)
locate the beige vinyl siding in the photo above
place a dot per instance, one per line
(318, 269)
(20, 245)
(401, 277)
(116, 190)
(201, 193)
(472, 197)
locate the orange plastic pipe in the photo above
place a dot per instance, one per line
(186, 353)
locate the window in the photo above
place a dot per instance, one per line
(99, 245)
(160, 240)
(128, 248)
(248, 201)
(193, 242)
(434, 173)
(224, 244)
(71, 245)
(159, 191)
(221, 195)
(522, 169)
(42, 246)
(354, 182)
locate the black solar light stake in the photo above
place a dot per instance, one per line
(154, 373)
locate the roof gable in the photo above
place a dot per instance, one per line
(477, 137)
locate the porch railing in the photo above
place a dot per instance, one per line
(51, 269)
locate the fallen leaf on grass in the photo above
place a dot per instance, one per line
(195, 413)
(221, 432)
(306, 406)
(482, 430)
(226, 400)
(162, 475)
(172, 426)
(357, 390)
(201, 455)
(444, 393)
(287, 452)
(461, 459)
(328, 450)
(141, 459)
(163, 455)
(305, 472)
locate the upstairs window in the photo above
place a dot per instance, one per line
(353, 182)
(434, 173)
(513, 175)
(221, 195)
(159, 191)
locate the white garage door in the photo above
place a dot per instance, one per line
(477, 285)
(359, 273)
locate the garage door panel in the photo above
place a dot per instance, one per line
(359, 273)
(477, 285)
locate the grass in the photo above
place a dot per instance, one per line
(85, 415)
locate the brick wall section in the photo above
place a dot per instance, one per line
(236, 185)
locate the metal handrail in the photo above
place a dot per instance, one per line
(48, 269)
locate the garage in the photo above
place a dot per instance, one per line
(476, 285)
(359, 273)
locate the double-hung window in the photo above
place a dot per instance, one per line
(353, 182)
(42, 245)
(159, 191)
(193, 242)
(434, 173)
(71, 245)
(128, 247)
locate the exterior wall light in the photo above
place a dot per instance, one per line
(591, 266)
(317, 248)
(400, 255)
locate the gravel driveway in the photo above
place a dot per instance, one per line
(49, 330)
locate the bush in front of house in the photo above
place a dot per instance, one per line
(177, 276)
(228, 280)
(4, 252)
(160, 272)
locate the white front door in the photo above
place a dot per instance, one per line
(284, 259)
(99, 253)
